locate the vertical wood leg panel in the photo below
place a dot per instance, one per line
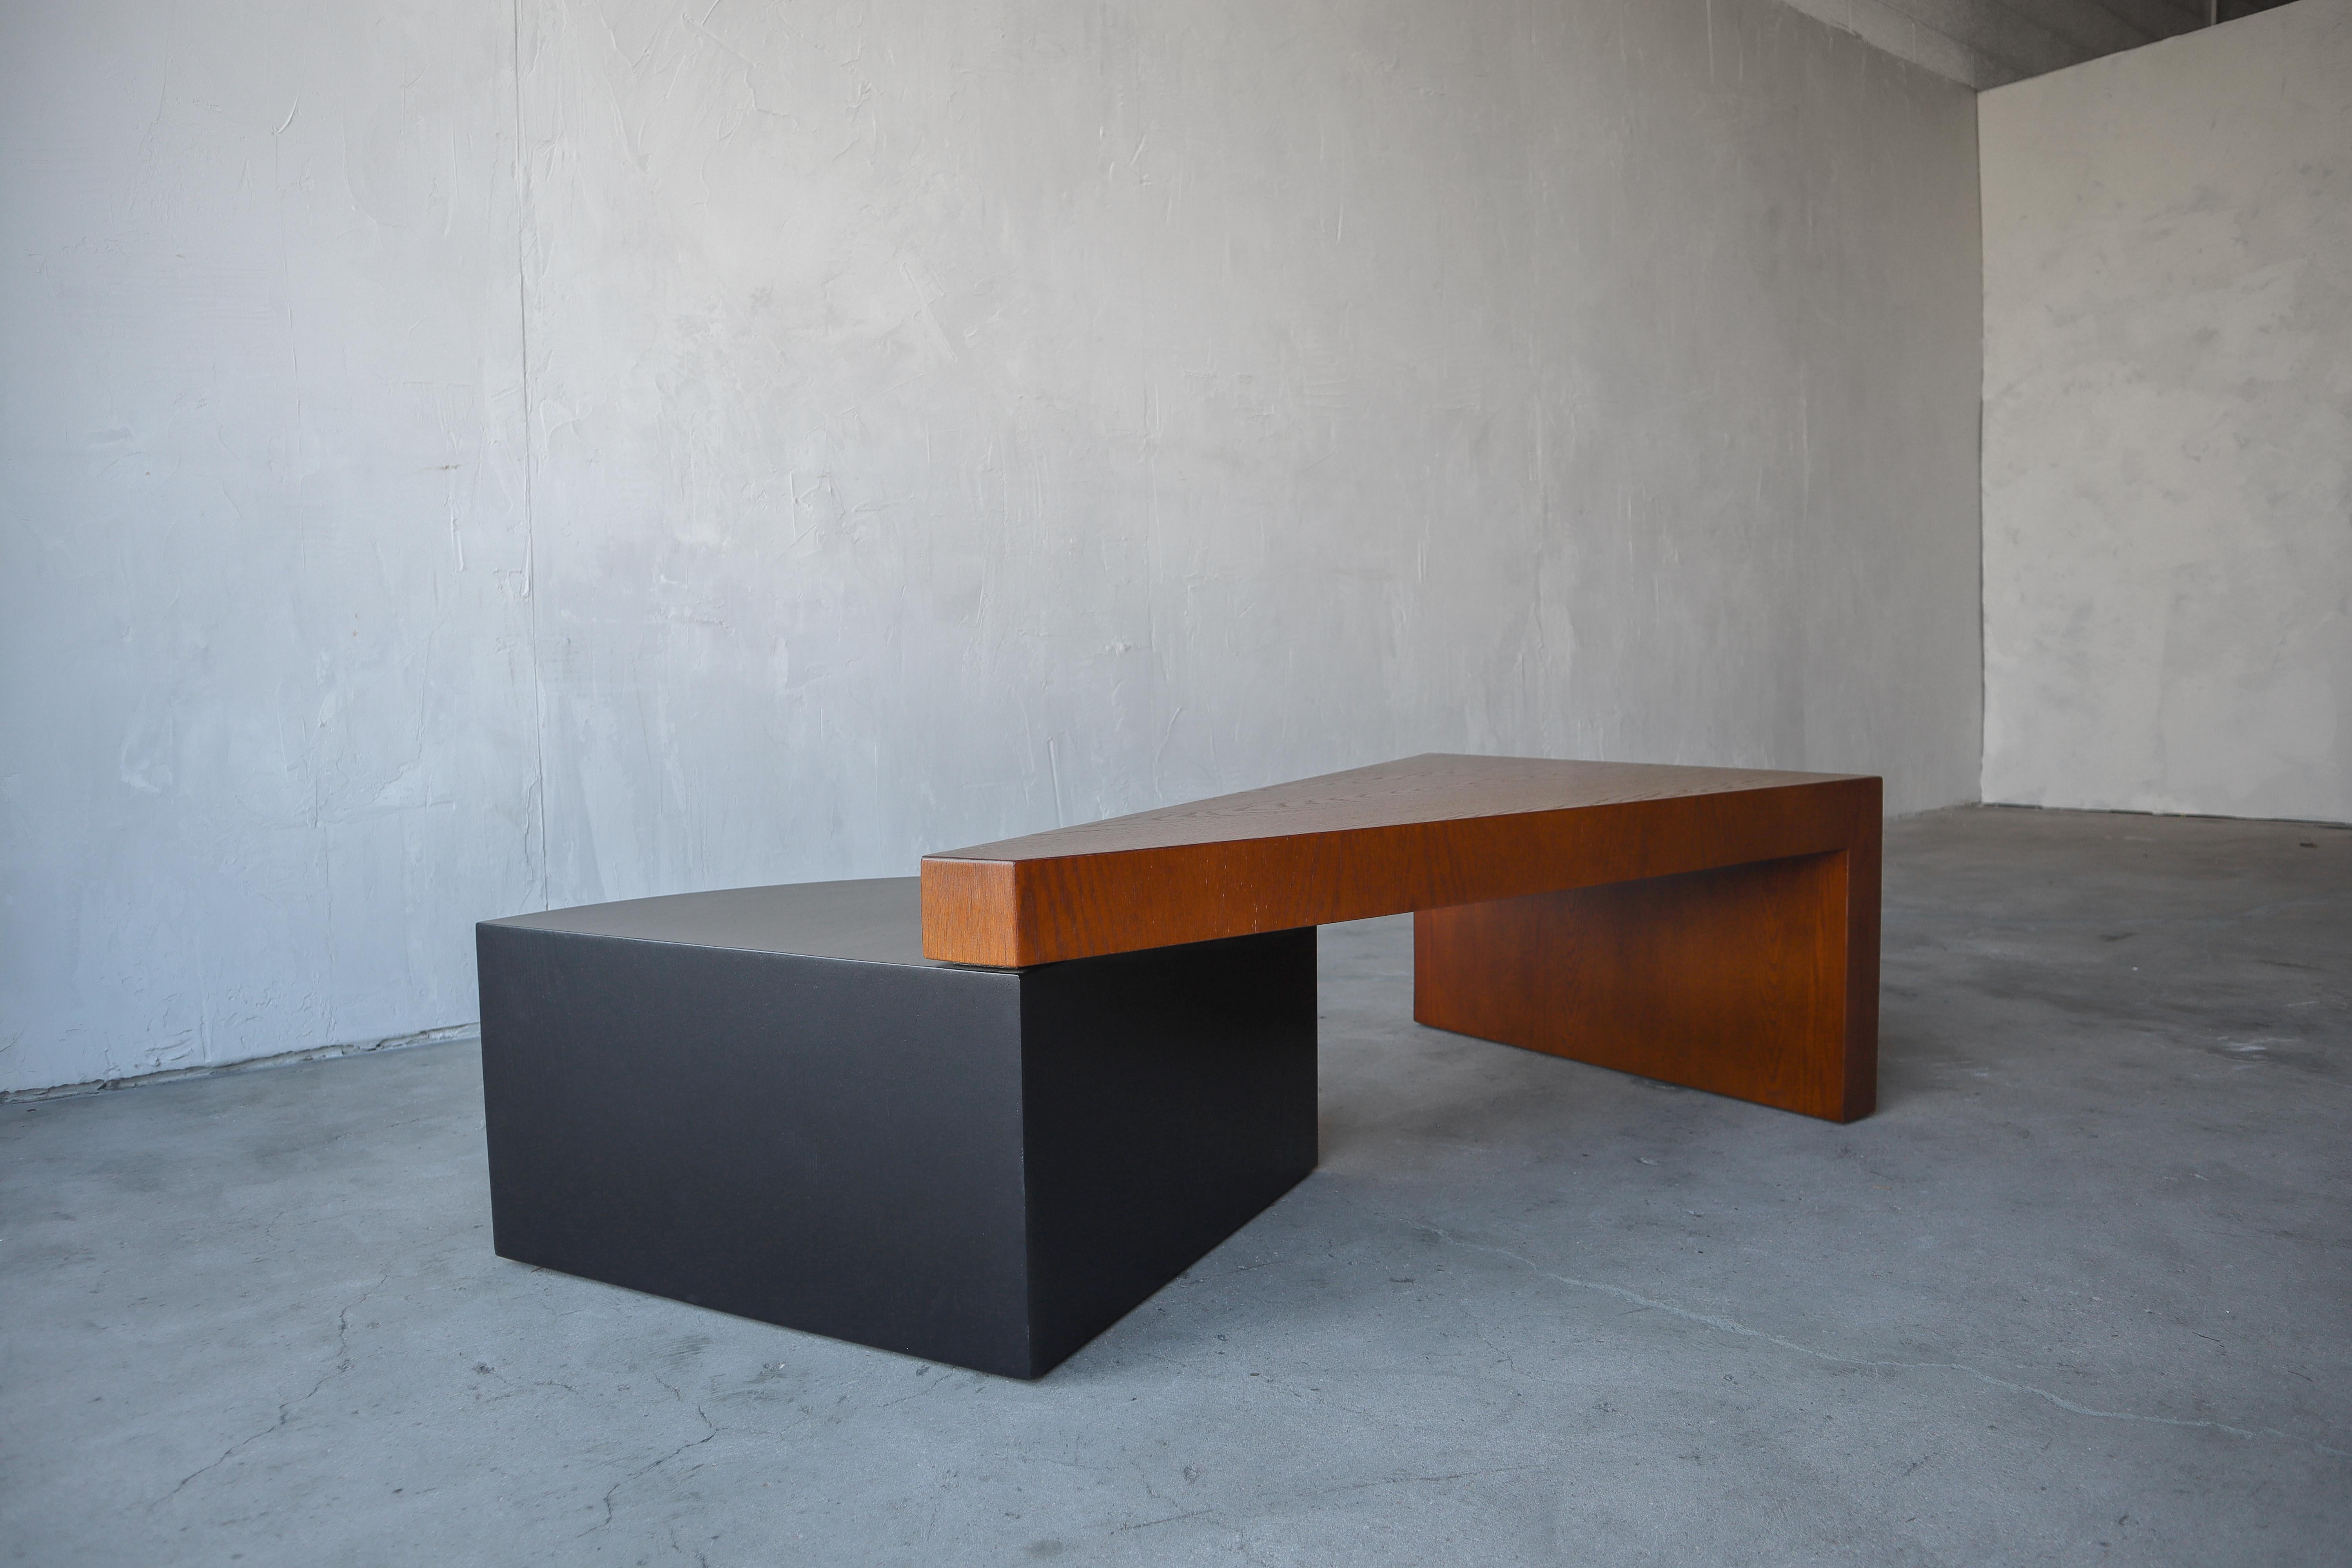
(1759, 981)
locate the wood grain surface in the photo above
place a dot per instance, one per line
(1711, 927)
(1422, 832)
(1733, 981)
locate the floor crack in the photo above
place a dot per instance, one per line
(709, 1432)
(286, 1410)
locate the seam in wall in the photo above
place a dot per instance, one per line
(529, 519)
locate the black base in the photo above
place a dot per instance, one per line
(767, 1102)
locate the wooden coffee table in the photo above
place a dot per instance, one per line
(980, 1117)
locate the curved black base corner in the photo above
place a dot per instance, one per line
(768, 1102)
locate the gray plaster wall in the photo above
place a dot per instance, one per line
(2167, 441)
(457, 463)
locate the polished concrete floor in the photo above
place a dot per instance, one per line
(2080, 1292)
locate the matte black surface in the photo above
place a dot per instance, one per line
(876, 921)
(1170, 1097)
(983, 1167)
(831, 1146)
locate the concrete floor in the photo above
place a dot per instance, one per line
(2079, 1292)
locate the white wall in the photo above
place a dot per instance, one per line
(2167, 460)
(941, 423)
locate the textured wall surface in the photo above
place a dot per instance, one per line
(2168, 436)
(458, 465)
(266, 720)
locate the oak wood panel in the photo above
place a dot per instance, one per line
(1422, 832)
(1734, 980)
